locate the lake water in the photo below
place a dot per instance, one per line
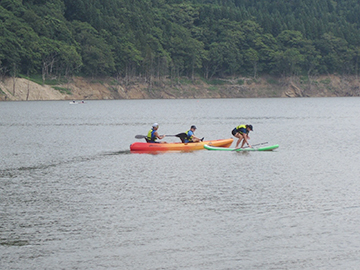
(72, 196)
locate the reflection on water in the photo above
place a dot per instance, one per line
(72, 195)
(123, 152)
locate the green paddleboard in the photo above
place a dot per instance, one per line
(265, 148)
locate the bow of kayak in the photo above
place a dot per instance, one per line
(178, 146)
(265, 148)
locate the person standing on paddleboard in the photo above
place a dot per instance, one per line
(242, 133)
(190, 136)
(153, 135)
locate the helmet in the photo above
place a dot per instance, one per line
(194, 127)
(155, 125)
(250, 126)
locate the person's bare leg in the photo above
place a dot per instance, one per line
(244, 141)
(238, 135)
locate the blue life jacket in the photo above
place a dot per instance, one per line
(242, 129)
(151, 136)
(189, 135)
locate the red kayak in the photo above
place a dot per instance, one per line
(178, 146)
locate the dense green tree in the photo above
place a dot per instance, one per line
(214, 59)
(335, 53)
(252, 57)
(95, 52)
(289, 61)
(158, 38)
(11, 49)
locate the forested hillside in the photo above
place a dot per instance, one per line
(158, 38)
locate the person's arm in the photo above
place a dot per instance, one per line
(192, 136)
(246, 137)
(159, 136)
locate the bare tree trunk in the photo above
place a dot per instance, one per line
(158, 68)
(192, 73)
(255, 70)
(44, 67)
(150, 82)
(2, 72)
(14, 79)
(127, 74)
(51, 66)
(310, 81)
(192, 68)
(206, 71)
(356, 69)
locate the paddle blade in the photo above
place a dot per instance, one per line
(181, 135)
(140, 137)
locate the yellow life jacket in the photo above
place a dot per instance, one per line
(151, 136)
(188, 138)
(241, 126)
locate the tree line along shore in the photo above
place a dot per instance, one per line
(154, 39)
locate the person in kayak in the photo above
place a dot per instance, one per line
(153, 135)
(242, 133)
(190, 136)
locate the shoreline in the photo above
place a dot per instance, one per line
(80, 88)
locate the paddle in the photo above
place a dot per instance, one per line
(180, 135)
(140, 136)
(252, 145)
(256, 144)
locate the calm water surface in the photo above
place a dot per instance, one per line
(72, 196)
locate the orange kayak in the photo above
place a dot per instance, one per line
(178, 146)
